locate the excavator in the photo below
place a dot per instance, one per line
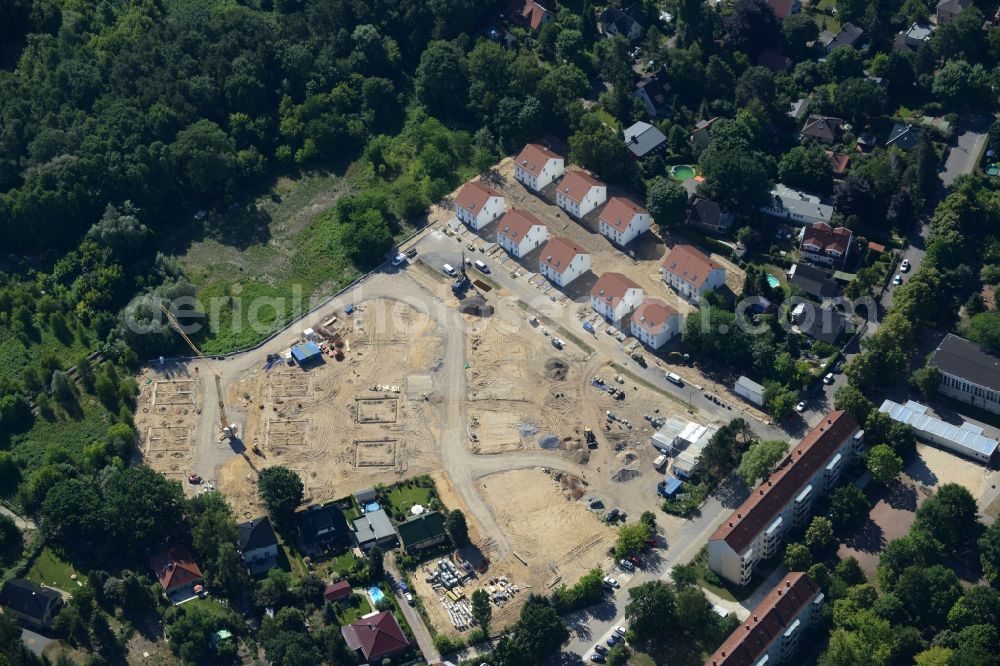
(228, 429)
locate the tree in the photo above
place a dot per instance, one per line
(684, 575)
(205, 156)
(631, 538)
(797, 557)
(798, 29)
(457, 528)
(751, 27)
(884, 464)
(666, 201)
(850, 399)
(694, 613)
(819, 534)
(928, 593)
(72, 515)
(934, 656)
(62, 389)
(950, 516)
(600, 149)
(282, 492)
(651, 610)
(979, 604)
(735, 176)
(859, 99)
(848, 508)
(779, 401)
(926, 380)
(958, 83)
(142, 509)
(760, 459)
(844, 62)
(441, 79)
(120, 230)
(916, 548)
(537, 634)
(808, 167)
(984, 329)
(376, 563)
(989, 553)
(881, 429)
(849, 570)
(481, 609)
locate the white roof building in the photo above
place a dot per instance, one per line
(966, 439)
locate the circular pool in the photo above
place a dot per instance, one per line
(682, 172)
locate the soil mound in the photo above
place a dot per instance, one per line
(556, 369)
(549, 442)
(475, 305)
(625, 474)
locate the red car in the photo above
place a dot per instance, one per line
(194, 478)
(634, 560)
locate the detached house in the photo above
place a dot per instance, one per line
(654, 323)
(177, 573)
(529, 14)
(785, 8)
(825, 129)
(690, 273)
(520, 232)
(903, 136)
(258, 544)
(423, 531)
(643, 140)
(478, 204)
(624, 22)
(623, 220)
(709, 216)
(797, 206)
(563, 261)
(654, 93)
(536, 166)
(375, 637)
(826, 245)
(614, 296)
(947, 10)
(32, 605)
(579, 193)
(700, 133)
(848, 35)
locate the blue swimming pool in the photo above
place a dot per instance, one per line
(372, 506)
(773, 281)
(375, 594)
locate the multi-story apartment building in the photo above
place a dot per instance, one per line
(773, 632)
(755, 531)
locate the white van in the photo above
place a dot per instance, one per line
(481, 266)
(660, 461)
(448, 269)
(674, 378)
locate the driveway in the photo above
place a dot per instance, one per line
(35, 642)
(963, 157)
(413, 618)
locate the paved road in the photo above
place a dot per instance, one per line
(23, 524)
(413, 618)
(964, 156)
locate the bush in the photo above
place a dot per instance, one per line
(446, 645)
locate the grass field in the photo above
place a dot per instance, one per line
(48, 569)
(342, 563)
(352, 613)
(400, 499)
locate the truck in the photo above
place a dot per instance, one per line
(660, 461)
(588, 435)
(461, 284)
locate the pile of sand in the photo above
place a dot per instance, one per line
(556, 369)
(549, 442)
(625, 474)
(475, 305)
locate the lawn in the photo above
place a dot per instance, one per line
(352, 613)
(606, 118)
(400, 498)
(824, 22)
(48, 569)
(342, 563)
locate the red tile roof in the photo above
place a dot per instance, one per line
(376, 636)
(516, 223)
(823, 127)
(620, 211)
(825, 237)
(533, 157)
(337, 590)
(577, 183)
(175, 568)
(652, 315)
(612, 287)
(690, 264)
(839, 162)
(528, 12)
(559, 252)
(782, 8)
(474, 195)
(769, 621)
(771, 496)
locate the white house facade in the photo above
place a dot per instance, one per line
(519, 232)
(798, 206)
(654, 323)
(623, 220)
(755, 531)
(536, 166)
(691, 274)
(478, 204)
(579, 193)
(563, 261)
(614, 296)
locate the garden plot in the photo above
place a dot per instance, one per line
(380, 453)
(376, 410)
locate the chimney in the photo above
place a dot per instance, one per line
(739, 515)
(762, 493)
(788, 583)
(748, 627)
(754, 618)
(779, 592)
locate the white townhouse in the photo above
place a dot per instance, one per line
(536, 166)
(623, 220)
(755, 531)
(614, 296)
(563, 261)
(478, 204)
(654, 323)
(520, 232)
(579, 193)
(690, 273)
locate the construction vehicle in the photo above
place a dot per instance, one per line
(638, 357)
(591, 440)
(228, 429)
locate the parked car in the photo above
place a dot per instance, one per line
(481, 266)
(612, 640)
(399, 260)
(557, 343)
(600, 649)
(412, 252)
(597, 658)
(898, 279)
(621, 630)
(611, 582)
(905, 266)
(674, 378)
(449, 269)
(828, 378)
(801, 406)
(409, 598)
(626, 565)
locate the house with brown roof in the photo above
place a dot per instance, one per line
(774, 630)
(337, 591)
(755, 531)
(563, 261)
(825, 129)
(478, 204)
(529, 14)
(654, 322)
(947, 10)
(536, 166)
(785, 8)
(838, 162)
(825, 245)
(614, 296)
(519, 232)
(376, 636)
(623, 220)
(177, 573)
(579, 193)
(689, 272)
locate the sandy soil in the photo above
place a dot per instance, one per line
(934, 467)
(169, 409)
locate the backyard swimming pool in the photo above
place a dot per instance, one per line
(375, 594)
(773, 281)
(372, 506)
(682, 172)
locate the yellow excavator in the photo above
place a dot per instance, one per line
(228, 429)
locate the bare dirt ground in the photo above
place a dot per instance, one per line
(935, 466)
(554, 533)
(169, 408)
